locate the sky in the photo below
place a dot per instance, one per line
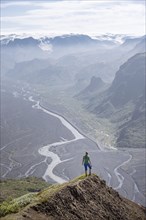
(92, 17)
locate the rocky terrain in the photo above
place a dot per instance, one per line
(82, 198)
(123, 103)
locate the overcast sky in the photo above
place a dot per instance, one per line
(91, 17)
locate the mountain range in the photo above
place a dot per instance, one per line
(85, 63)
(79, 56)
(71, 40)
(63, 40)
(123, 103)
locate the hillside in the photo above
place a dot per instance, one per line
(14, 188)
(129, 83)
(96, 85)
(123, 103)
(82, 198)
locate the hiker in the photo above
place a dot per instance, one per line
(87, 163)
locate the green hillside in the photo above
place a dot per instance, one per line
(13, 188)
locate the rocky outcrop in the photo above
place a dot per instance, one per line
(123, 103)
(88, 198)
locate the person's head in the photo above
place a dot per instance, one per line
(86, 153)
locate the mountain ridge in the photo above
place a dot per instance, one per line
(96, 85)
(123, 103)
(81, 198)
(11, 40)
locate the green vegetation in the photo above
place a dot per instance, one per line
(11, 189)
(48, 192)
(16, 194)
(15, 205)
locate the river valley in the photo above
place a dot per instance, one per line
(37, 141)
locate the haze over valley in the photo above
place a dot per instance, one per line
(64, 95)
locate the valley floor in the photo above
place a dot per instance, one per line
(33, 129)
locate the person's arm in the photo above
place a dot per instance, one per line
(90, 162)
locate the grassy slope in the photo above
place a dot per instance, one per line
(11, 189)
(15, 205)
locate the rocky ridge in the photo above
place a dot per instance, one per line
(82, 198)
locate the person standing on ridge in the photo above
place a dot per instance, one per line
(87, 163)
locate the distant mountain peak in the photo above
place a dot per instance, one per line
(29, 41)
(95, 85)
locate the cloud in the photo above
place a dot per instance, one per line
(7, 4)
(76, 16)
